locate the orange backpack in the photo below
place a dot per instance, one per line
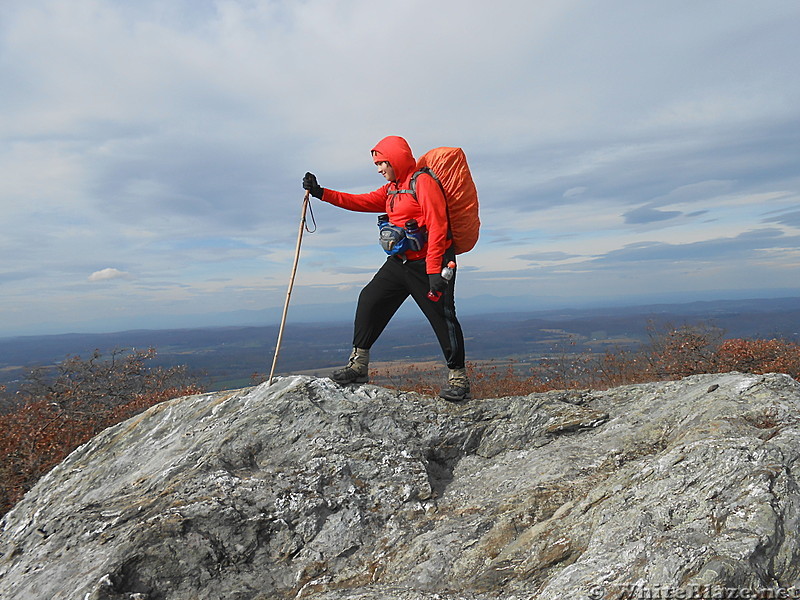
(448, 166)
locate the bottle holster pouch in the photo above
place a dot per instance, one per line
(396, 240)
(392, 239)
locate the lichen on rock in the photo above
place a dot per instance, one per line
(306, 489)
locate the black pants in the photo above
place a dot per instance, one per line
(392, 284)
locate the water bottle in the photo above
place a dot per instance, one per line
(414, 235)
(447, 275)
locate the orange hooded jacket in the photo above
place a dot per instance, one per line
(429, 208)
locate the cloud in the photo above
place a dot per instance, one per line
(106, 274)
(170, 138)
(648, 214)
(10, 276)
(574, 192)
(791, 218)
(546, 256)
(735, 249)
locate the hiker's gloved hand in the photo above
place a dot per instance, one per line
(438, 284)
(310, 184)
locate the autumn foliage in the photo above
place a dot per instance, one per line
(59, 408)
(670, 353)
(759, 356)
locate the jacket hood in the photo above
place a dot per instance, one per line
(397, 151)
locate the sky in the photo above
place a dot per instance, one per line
(152, 152)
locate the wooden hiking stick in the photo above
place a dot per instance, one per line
(291, 283)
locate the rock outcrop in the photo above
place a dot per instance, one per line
(306, 489)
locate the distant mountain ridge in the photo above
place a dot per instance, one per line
(229, 355)
(343, 311)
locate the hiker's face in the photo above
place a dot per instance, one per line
(385, 169)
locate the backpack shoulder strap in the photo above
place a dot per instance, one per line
(429, 171)
(413, 190)
(413, 184)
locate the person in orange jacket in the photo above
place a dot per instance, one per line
(416, 271)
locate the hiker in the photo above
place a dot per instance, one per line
(413, 272)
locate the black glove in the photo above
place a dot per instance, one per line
(438, 284)
(310, 184)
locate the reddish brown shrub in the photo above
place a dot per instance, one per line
(760, 356)
(61, 408)
(671, 353)
(620, 367)
(675, 352)
(511, 379)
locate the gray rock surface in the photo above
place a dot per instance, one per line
(306, 489)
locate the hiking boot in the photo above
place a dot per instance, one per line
(357, 369)
(457, 386)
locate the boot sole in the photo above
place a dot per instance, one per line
(455, 398)
(347, 381)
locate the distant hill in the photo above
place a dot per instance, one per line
(227, 356)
